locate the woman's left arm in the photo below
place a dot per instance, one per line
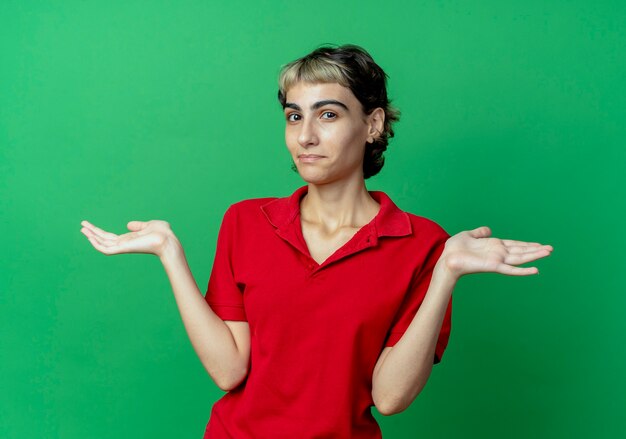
(401, 371)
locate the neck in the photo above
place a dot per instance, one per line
(337, 205)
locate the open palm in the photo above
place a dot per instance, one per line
(474, 251)
(145, 237)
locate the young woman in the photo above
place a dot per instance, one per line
(332, 300)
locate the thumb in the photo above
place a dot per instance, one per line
(135, 226)
(480, 232)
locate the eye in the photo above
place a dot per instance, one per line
(328, 115)
(293, 117)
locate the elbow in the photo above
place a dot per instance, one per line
(390, 403)
(391, 406)
(231, 380)
(393, 403)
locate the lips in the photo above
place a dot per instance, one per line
(308, 158)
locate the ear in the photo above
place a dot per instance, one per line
(375, 123)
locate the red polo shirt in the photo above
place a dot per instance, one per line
(316, 330)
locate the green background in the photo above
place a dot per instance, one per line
(513, 116)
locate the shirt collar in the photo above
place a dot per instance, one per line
(390, 220)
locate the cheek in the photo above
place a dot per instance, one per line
(289, 139)
(353, 139)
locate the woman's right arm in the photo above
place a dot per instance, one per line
(223, 347)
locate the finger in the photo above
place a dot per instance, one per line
(90, 234)
(480, 232)
(98, 245)
(509, 243)
(522, 258)
(98, 231)
(516, 271)
(518, 249)
(513, 242)
(110, 245)
(527, 249)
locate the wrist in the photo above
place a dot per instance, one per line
(445, 270)
(170, 249)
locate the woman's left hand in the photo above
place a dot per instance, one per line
(473, 251)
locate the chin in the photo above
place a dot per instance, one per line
(314, 177)
(315, 181)
(321, 177)
(322, 180)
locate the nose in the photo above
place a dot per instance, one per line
(307, 136)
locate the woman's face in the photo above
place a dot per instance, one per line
(326, 131)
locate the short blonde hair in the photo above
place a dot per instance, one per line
(352, 67)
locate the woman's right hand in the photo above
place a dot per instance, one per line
(150, 237)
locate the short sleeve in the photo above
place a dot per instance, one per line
(223, 294)
(415, 297)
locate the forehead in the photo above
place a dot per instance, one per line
(307, 93)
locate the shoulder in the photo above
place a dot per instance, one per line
(395, 221)
(245, 208)
(419, 235)
(247, 211)
(426, 235)
(425, 229)
(428, 239)
(251, 204)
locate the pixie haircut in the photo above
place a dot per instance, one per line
(352, 67)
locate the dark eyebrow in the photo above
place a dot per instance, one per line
(290, 105)
(320, 104)
(317, 105)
